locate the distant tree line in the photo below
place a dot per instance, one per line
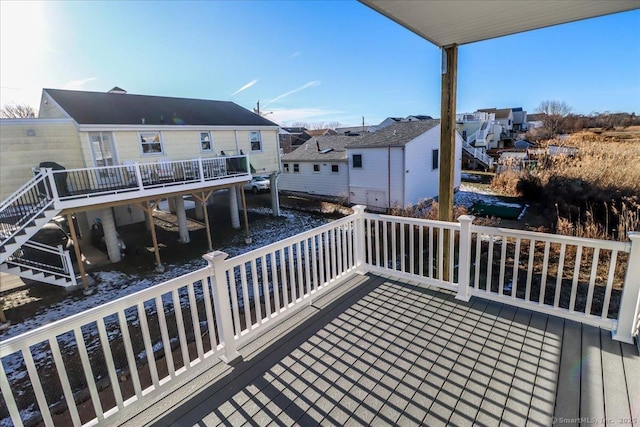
(604, 120)
(557, 118)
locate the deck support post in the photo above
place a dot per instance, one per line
(76, 248)
(201, 199)
(447, 145)
(464, 261)
(233, 208)
(275, 199)
(358, 237)
(110, 235)
(628, 313)
(222, 305)
(199, 210)
(247, 238)
(148, 208)
(181, 214)
(239, 194)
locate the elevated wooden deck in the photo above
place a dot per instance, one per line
(388, 352)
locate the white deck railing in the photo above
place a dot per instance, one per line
(118, 357)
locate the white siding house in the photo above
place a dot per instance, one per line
(319, 166)
(395, 166)
(398, 165)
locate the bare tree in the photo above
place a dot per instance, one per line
(553, 114)
(300, 125)
(17, 111)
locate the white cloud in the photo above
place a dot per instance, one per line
(247, 86)
(291, 92)
(77, 84)
(291, 115)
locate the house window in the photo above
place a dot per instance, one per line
(316, 168)
(357, 160)
(296, 167)
(334, 168)
(206, 143)
(255, 140)
(151, 143)
(435, 158)
(285, 166)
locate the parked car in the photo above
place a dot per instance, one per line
(258, 184)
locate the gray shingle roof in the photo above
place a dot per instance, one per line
(127, 109)
(396, 134)
(308, 152)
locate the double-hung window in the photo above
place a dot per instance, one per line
(206, 142)
(256, 140)
(151, 143)
(357, 161)
(435, 158)
(296, 167)
(316, 168)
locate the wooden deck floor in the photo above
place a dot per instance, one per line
(394, 353)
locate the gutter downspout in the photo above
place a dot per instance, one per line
(404, 177)
(389, 176)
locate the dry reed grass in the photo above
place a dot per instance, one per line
(595, 193)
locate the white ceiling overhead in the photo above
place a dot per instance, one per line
(466, 21)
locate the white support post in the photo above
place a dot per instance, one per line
(359, 251)
(110, 235)
(630, 301)
(233, 208)
(136, 166)
(222, 306)
(52, 184)
(181, 214)
(199, 210)
(200, 169)
(275, 198)
(464, 260)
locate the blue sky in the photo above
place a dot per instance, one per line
(307, 61)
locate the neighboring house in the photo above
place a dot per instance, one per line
(352, 130)
(318, 167)
(79, 129)
(416, 118)
(386, 122)
(398, 165)
(307, 134)
(535, 120)
(288, 137)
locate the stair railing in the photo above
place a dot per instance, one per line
(45, 259)
(23, 206)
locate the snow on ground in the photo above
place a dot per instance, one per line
(112, 285)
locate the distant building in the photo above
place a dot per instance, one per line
(395, 166)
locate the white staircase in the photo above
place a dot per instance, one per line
(58, 270)
(478, 154)
(21, 216)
